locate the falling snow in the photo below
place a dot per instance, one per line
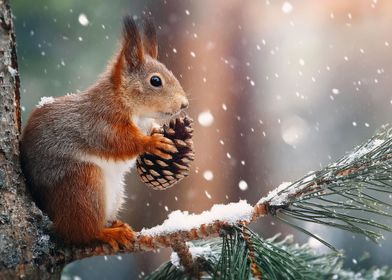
(83, 20)
(243, 185)
(294, 130)
(287, 8)
(294, 86)
(208, 175)
(205, 118)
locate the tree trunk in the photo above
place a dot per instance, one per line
(23, 241)
(27, 248)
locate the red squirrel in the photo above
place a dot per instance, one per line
(76, 149)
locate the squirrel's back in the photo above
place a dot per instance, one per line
(76, 149)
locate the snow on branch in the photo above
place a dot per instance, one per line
(178, 220)
(338, 195)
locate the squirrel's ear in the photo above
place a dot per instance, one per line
(150, 37)
(132, 43)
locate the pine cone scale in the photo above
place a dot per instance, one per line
(159, 173)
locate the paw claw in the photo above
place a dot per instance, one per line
(161, 146)
(161, 154)
(119, 234)
(167, 141)
(114, 245)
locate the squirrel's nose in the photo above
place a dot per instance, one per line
(184, 105)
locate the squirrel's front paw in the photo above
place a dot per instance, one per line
(160, 146)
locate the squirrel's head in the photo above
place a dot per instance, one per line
(146, 87)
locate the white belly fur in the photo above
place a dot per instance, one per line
(113, 174)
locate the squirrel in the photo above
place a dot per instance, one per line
(76, 149)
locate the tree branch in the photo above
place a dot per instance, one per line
(27, 250)
(350, 178)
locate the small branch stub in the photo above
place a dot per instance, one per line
(255, 270)
(186, 260)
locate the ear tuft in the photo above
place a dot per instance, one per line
(132, 44)
(150, 36)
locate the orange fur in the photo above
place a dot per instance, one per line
(119, 148)
(72, 148)
(118, 234)
(71, 194)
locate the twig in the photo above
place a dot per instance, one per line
(255, 270)
(186, 260)
(150, 243)
(144, 243)
(343, 178)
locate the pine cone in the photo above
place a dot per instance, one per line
(161, 174)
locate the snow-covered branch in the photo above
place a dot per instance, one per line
(321, 197)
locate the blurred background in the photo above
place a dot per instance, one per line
(276, 88)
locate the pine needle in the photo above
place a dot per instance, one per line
(344, 194)
(351, 194)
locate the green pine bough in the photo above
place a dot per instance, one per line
(343, 195)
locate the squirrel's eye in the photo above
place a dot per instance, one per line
(156, 81)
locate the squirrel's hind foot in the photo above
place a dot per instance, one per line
(119, 234)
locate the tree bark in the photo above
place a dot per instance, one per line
(27, 247)
(23, 240)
